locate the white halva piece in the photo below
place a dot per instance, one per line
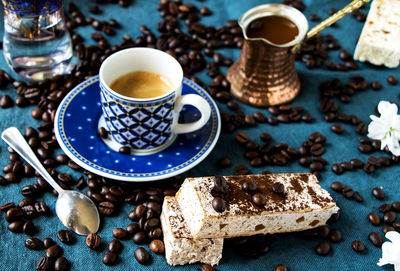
(180, 248)
(379, 42)
(304, 205)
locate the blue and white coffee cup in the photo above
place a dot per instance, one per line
(147, 125)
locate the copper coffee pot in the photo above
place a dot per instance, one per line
(265, 74)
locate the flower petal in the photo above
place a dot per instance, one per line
(393, 236)
(378, 128)
(387, 110)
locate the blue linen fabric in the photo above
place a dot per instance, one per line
(292, 250)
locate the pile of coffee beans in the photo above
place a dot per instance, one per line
(278, 114)
(219, 192)
(346, 191)
(335, 89)
(308, 155)
(53, 259)
(324, 248)
(114, 249)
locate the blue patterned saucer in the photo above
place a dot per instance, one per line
(76, 129)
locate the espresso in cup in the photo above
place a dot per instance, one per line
(142, 85)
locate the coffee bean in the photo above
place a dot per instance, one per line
(284, 118)
(316, 166)
(335, 235)
(6, 101)
(124, 150)
(43, 264)
(378, 193)
(106, 208)
(242, 138)
(348, 192)
(223, 96)
(155, 206)
(385, 208)
(93, 241)
(65, 236)
(61, 264)
(376, 239)
(334, 218)
(54, 252)
(10, 178)
(14, 214)
(241, 170)
(368, 168)
(71, 164)
(249, 187)
(6, 206)
(392, 80)
(337, 169)
(110, 258)
(132, 228)
(219, 204)
(374, 218)
(37, 113)
(344, 55)
(115, 246)
(62, 159)
(259, 117)
(151, 223)
(278, 188)
(155, 233)
(337, 186)
(396, 206)
(358, 197)
(256, 162)
(142, 256)
(224, 162)
(386, 229)
(139, 238)
(272, 121)
(157, 246)
(389, 217)
(232, 105)
(323, 248)
(207, 267)
(103, 133)
(258, 199)
(357, 246)
(280, 267)
(375, 85)
(34, 243)
(346, 165)
(361, 129)
(337, 129)
(120, 233)
(28, 228)
(48, 242)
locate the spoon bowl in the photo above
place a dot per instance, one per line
(75, 210)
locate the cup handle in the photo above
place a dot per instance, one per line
(201, 104)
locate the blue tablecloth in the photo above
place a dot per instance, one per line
(292, 250)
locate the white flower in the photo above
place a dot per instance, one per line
(391, 250)
(386, 128)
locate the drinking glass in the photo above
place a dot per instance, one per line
(36, 42)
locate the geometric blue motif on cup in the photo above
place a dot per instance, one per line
(141, 126)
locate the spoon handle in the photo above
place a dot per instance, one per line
(15, 140)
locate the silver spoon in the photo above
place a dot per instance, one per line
(75, 210)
